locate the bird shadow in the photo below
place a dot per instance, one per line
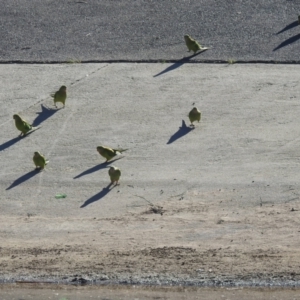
(23, 178)
(9, 143)
(179, 63)
(288, 41)
(44, 115)
(183, 130)
(15, 140)
(98, 196)
(288, 27)
(96, 168)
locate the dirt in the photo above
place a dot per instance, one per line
(252, 256)
(116, 292)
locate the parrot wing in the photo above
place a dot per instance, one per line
(33, 129)
(120, 150)
(27, 126)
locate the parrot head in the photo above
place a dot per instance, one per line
(187, 37)
(99, 149)
(63, 88)
(16, 117)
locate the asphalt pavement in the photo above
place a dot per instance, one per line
(149, 30)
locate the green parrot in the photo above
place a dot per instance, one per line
(109, 153)
(192, 44)
(114, 174)
(60, 95)
(195, 115)
(22, 125)
(39, 160)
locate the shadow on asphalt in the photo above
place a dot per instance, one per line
(9, 143)
(288, 41)
(178, 63)
(183, 130)
(96, 168)
(15, 140)
(23, 178)
(98, 196)
(44, 115)
(288, 27)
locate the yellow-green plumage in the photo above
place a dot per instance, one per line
(114, 174)
(192, 44)
(109, 153)
(39, 160)
(195, 115)
(22, 125)
(60, 95)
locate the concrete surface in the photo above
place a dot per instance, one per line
(247, 139)
(227, 189)
(35, 30)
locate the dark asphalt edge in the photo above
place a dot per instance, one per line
(154, 61)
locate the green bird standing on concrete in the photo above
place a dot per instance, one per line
(192, 44)
(114, 174)
(60, 95)
(22, 125)
(39, 161)
(194, 115)
(109, 153)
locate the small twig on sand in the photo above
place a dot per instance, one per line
(145, 199)
(154, 209)
(178, 195)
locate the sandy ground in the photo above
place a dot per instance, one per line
(37, 292)
(213, 205)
